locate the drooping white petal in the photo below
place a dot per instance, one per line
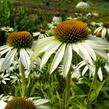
(44, 41)
(42, 107)
(58, 57)
(4, 47)
(103, 33)
(81, 64)
(106, 68)
(98, 30)
(84, 53)
(5, 51)
(48, 53)
(4, 82)
(8, 59)
(24, 58)
(102, 54)
(100, 75)
(67, 59)
(92, 69)
(90, 51)
(85, 70)
(97, 43)
(6, 75)
(41, 101)
(42, 46)
(35, 34)
(1, 62)
(29, 51)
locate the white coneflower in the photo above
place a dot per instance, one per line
(4, 78)
(18, 43)
(41, 34)
(69, 37)
(7, 29)
(26, 103)
(98, 68)
(57, 18)
(18, 47)
(95, 14)
(103, 30)
(83, 5)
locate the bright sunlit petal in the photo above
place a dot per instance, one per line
(103, 33)
(24, 58)
(48, 53)
(58, 57)
(67, 60)
(9, 59)
(100, 75)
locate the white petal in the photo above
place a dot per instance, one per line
(3, 81)
(41, 46)
(91, 51)
(100, 75)
(97, 43)
(41, 101)
(102, 54)
(81, 64)
(84, 70)
(44, 41)
(5, 51)
(4, 47)
(24, 58)
(103, 33)
(7, 79)
(106, 67)
(8, 59)
(41, 36)
(42, 107)
(48, 53)
(98, 30)
(84, 54)
(92, 70)
(29, 51)
(35, 34)
(67, 59)
(58, 57)
(6, 75)
(1, 62)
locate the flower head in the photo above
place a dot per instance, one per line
(71, 31)
(103, 30)
(83, 5)
(70, 38)
(20, 103)
(57, 18)
(41, 34)
(18, 45)
(20, 39)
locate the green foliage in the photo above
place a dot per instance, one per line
(4, 12)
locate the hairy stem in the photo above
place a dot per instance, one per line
(67, 90)
(24, 87)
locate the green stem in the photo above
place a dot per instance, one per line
(67, 90)
(24, 87)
